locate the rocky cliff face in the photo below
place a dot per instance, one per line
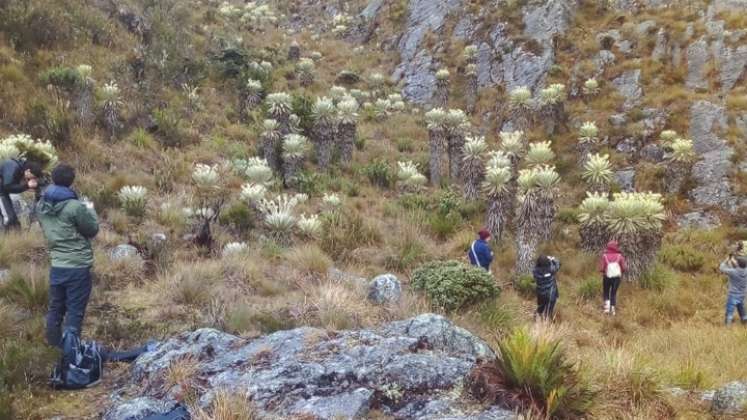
(523, 51)
(412, 369)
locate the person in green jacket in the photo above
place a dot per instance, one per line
(69, 226)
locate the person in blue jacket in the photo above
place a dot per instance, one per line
(479, 253)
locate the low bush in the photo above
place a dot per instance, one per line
(379, 173)
(682, 257)
(443, 225)
(452, 285)
(588, 289)
(658, 278)
(65, 78)
(536, 370)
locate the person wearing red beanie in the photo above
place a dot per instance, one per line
(480, 254)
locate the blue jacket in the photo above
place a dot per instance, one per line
(484, 255)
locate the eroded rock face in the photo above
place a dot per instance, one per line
(711, 171)
(629, 86)
(501, 59)
(409, 369)
(697, 58)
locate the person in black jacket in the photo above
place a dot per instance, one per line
(18, 176)
(547, 285)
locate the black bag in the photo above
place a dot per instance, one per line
(81, 365)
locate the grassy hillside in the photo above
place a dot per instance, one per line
(181, 69)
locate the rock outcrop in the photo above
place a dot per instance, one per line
(410, 369)
(501, 59)
(711, 171)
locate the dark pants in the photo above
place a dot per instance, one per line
(10, 219)
(69, 290)
(610, 286)
(546, 305)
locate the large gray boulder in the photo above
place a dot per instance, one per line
(123, 252)
(731, 399)
(707, 121)
(733, 62)
(419, 363)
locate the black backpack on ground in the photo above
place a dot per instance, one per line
(81, 365)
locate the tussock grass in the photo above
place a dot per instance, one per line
(28, 289)
(228, 406)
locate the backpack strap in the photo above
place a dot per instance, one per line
(474, 254)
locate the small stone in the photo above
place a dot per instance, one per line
(4, 276)
(385, 289)
(626, 179)
(627, 145)
(123, 252)
(652, 153)
(698, 219)
(618, 120)
(731, 399)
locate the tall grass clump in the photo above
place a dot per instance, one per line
(538, 376)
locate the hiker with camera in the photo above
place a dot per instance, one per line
(547, 285)
(18, 176)
(612, 266)
(735, 268)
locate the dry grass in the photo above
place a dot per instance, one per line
(227, 406)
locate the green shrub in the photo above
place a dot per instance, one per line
(171, 131)
(61, 77)
(444, 225)
(658, 278)
(49, 123)
(588, 289)
(537, 370)
(415, 201)
(525, 285)
(379, 173)
(239, 216)
(27, 290)
(345, 231)
(452, 285)
(568, 216)
(682, 257)
(309, 183)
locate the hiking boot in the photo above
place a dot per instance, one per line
(606, 306)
